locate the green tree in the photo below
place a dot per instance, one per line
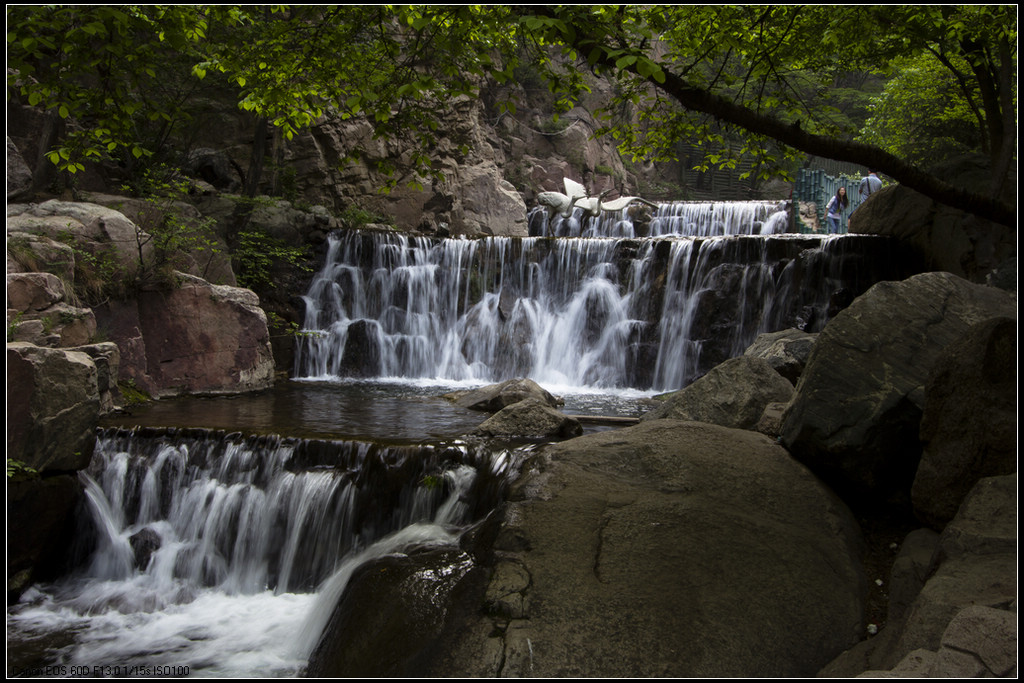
(682, 66)
(921, 115)
(105, 68)
(683, 72)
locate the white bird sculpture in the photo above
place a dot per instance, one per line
(591, 205)
(562, 204)
(577, 195)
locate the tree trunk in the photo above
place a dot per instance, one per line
(259, 150)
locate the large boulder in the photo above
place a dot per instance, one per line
(196, 338)
(948, 239)
(733, 394)
(961, 623)
(969, 425)
(53, 406)
(666, 549)
(855, 418)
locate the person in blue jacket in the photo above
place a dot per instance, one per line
(834, 210)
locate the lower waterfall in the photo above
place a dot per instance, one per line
(210, 554)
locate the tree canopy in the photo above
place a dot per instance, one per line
(766, 75)
(750, 67)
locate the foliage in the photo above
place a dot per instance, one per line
(107, 68)
(132, 394)
(355, 217)
(165, 238)
(13, 324)
(922, 114)
(258, 252)
(432, 482)
(765, 82)
(98, 275)
(19, 470)
(707, 72)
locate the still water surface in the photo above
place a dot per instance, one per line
(383, 411)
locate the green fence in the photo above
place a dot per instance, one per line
(818, 187)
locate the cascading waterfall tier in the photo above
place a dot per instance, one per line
(692, 219)
(579, 312)
(198, 538)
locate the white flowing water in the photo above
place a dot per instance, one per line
(685, 219)
(574, 314)
(223, 556)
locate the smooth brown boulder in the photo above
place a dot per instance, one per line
(666, 549)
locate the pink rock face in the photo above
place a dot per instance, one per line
(196, 339)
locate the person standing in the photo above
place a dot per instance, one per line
(869, 185)
(834, 210)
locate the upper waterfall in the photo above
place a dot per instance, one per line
(685, 219)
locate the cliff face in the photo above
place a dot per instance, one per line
(486, 166)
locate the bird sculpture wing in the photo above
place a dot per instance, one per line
(622, 202)
(574, 189)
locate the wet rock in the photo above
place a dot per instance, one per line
(530, 418)
(393, 613)
(362, 354)
(733, 394)
(494, 397)
(144, 543)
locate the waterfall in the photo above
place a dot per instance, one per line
(691, 219)
(213, 551)
(599, 313)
